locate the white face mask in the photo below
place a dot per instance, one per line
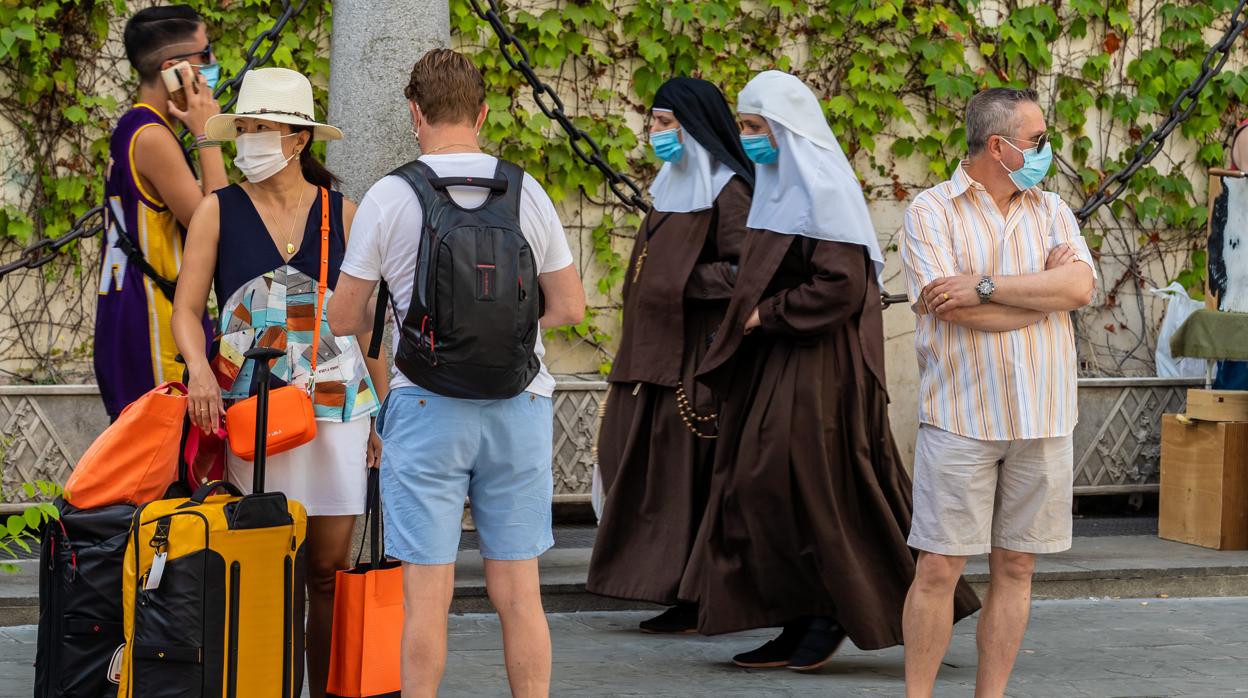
(260, 155)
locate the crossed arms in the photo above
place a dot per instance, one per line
(1018, 301)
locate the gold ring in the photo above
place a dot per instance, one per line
(945, 296)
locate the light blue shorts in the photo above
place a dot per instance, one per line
(439, 450)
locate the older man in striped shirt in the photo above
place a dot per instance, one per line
(994, 267)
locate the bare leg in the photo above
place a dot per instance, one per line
(1004, 619)
(427, 591)
(516, 594)
(927, 623)
(329, 550)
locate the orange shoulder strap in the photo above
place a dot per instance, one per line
(322, 282)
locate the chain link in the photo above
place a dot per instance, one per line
(1113, 187)
(44, 251)
(255, 59)
(585, 147)
(617, 181)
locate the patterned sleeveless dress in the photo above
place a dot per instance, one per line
(266, 301)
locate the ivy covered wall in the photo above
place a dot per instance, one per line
(894, 77)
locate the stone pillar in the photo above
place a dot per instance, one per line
(374, 44)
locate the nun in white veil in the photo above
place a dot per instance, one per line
(809, 505)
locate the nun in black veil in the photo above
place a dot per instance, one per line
(656, 445)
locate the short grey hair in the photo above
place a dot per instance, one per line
(993, 112)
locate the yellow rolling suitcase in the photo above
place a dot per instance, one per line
(214, 593)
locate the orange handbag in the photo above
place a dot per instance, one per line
(364, 656)
(290, 419)
(136, 458)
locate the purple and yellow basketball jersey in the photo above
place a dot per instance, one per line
(134, 347)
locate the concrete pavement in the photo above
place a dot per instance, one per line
(1097, 566)
(1090, 648)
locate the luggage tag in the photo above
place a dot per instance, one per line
(114, 667)
(157, 571)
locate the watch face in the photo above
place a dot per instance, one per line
(985, 287)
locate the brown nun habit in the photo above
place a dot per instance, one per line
(654, 453)
(809, 503)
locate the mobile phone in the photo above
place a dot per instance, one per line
(173, 82)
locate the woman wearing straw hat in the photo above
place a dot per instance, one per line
(259, 243)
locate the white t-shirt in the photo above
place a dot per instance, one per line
(385, 236)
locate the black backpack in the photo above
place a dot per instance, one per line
(81, 564)
(472, 324)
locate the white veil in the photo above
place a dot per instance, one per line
(692, 183)
(811, 189)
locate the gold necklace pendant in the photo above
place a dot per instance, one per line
(290, 248)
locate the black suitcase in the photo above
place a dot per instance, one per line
(80, 616)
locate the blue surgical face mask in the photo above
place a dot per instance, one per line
(211, 73)
(759, 148)
(1035, 166)
(667, 145)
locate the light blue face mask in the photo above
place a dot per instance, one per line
(211, 73)
(1035, 166)
(667, 145)
(759, 148)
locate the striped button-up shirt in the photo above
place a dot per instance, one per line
(996, 386)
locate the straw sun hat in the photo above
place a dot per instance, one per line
(273, 94)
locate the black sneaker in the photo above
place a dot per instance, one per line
(677, 620)
(817, 647)
(775, 653)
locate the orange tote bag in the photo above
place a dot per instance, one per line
(136, 458)
(368, 617)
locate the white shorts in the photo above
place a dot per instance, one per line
(971, 496)
(328, 475)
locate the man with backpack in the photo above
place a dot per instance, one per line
(473, 263)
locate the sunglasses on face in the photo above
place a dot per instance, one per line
(204, 56)
(1039, 143)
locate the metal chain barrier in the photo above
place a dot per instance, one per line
(510, 46)
(92, 222)
(585, 147)
(40, 253)
(1182, 108)
(255, 59)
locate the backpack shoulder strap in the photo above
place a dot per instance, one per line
(166, 286)
(379, 320)
(418, 175)
(514, 176)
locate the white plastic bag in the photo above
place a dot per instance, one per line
(1179, 306)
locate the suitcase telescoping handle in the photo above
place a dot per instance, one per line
(262, 356)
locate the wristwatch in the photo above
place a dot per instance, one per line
(984, 288)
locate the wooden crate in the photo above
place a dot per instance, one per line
(1204, 483)
(1218, 405)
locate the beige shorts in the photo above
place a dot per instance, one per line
(971, 496)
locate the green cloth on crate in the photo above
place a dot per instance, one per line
(1213, 335)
